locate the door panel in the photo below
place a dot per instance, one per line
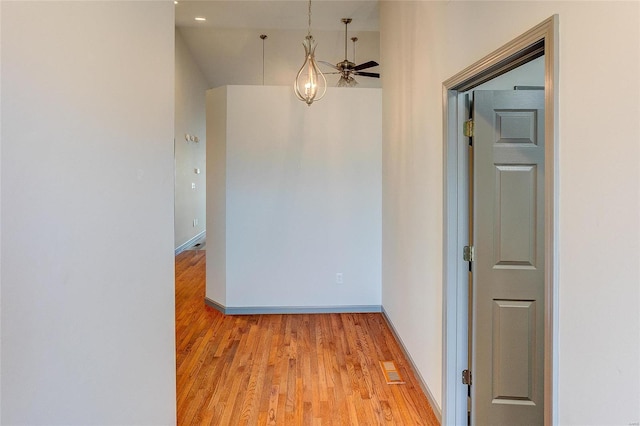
(508, 269)
(516, 127)
(515, 214)
(514, 330)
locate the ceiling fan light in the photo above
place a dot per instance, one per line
(348, 69)
(347, 82)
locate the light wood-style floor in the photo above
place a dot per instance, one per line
(320, 369)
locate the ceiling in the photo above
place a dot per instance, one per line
(228, 49)
(280, 15)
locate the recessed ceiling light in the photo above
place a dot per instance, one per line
(200, 18)
(175, 1)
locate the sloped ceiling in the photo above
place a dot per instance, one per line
(228, 49)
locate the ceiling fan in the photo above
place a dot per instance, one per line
(348, 69)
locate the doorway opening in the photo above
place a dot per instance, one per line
(540, 40)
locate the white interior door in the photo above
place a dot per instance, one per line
(508, 270)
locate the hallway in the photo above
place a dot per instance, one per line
(320, 369)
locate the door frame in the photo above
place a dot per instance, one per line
(455, 279)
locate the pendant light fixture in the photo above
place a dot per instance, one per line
(310, 84)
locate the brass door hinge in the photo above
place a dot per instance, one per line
(468, 254)
(468, 128)
(466, 377)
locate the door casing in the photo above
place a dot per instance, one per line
(455, 315)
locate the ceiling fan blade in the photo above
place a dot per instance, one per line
(329, 65)
(368, 74)
(366, 65)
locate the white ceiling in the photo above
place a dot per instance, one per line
(228, 49)
(279, 15)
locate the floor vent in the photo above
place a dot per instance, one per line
(391, 373)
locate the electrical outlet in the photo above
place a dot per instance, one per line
(193, 185)
(339, 278)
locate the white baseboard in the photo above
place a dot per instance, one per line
(423, 384)
(182, 247)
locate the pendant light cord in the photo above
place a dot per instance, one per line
(263, 37)
(309, 26)
(346, 24)
(354, 39)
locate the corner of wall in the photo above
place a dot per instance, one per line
(216, 179)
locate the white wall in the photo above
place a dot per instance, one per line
(190, 119)
(0, 211)
(303, 198)
(599, 323)
(87, 213)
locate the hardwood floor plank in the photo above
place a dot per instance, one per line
(285, 369)
(273, 405)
